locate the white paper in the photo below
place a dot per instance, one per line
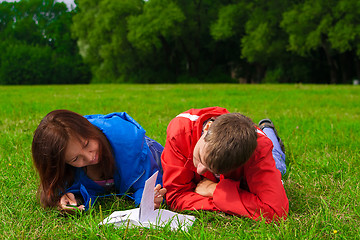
(147, 199)
(146, 216)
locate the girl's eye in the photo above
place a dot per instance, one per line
(86, 143)
(75, 159)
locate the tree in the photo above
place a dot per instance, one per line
(101, 30)
(6, 18)
(331, 26)
(344, 37)
(148, 41)
(25, 64)
(227, 31)
(36, 44)
(153, 33)
(206, 40)
(254, 27)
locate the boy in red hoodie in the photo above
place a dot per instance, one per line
(220, 161)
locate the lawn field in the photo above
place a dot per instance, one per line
(319, 125)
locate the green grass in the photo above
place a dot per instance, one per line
(319, 125)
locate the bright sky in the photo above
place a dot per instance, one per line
(68, 2)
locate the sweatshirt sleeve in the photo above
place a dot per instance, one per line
(84, 187)
(80, 190)
(265, 197)
(180, 181)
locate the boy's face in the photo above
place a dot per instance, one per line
(199, 156)
(199, 153)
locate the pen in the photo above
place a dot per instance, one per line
(69, 205)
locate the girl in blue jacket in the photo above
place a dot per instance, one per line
(80, 158)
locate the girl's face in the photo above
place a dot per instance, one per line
(82, 152)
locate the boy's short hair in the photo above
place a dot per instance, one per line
(230, 142)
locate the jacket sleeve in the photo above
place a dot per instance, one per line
(265, 197)
(79, 189)
(180, 182)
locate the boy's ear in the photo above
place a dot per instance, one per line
(206, 128)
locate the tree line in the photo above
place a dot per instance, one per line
(155, 41)
(36, 44)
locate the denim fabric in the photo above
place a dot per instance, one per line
(156, 150)
(278, 154)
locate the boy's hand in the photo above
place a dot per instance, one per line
(159, 195)
(206, 187)
(68, 203)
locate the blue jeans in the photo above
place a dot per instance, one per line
(278, 154)
(156, 150)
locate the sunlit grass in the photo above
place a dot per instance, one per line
(318, 123)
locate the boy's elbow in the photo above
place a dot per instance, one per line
(276, 215)
(280, 210)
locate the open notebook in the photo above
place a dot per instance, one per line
(145, 215)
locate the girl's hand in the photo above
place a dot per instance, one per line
(159, 195)
(68, 203)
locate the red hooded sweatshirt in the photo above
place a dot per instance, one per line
(253, 190)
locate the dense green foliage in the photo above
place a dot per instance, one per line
(172, 41)
(319, 125)
(213, 40)
(36, 45)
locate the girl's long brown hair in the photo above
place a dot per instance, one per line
(48, 150)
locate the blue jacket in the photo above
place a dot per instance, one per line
(133, 161)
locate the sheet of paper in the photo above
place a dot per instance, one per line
(119, 217)
(147, 199)
(162, 217)
(146, 216)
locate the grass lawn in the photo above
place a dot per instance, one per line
(319, 125)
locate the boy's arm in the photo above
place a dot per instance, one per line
(266, 195)
(180, 182)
